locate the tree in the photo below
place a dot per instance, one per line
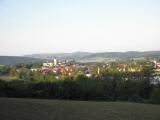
(13, 70)
(155, 96)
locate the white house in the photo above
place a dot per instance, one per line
(47, 64)
(34, 69)
(155, 80)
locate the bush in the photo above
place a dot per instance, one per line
(81, 89)
(155, 96)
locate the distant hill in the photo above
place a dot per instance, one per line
(10, 60)
(130, 54)
(124, 55)
(49, 56)
(81, 57)
(99, 57)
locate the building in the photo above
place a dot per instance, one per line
(48, 64)
(55, 62)
(34, 69)
(155, 80)
(157, 66)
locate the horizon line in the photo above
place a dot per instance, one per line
(84, 52)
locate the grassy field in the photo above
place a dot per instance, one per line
(36, 109)
(7, 77)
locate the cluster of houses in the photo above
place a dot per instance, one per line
(58, 67)
(156, 79)
(157, 66)
(125, 68)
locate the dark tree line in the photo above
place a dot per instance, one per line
(109, 85)
(83, 88)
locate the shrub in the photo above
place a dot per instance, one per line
(155, 96)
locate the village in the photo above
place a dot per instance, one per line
(59, 67)
(70, 68)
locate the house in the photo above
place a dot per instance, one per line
(34, 69)
(88, 75)
(20, 70)
(155, 80)
(157, 66)
(47, 64)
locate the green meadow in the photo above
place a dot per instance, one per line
(40, 109)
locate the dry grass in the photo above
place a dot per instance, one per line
(8, 78)
(36, 109)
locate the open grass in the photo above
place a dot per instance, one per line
(7, 77)
(36, 109)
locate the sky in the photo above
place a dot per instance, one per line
(55, 26)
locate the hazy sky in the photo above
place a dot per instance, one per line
(49, 26)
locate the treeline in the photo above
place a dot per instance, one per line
(11, 69)
(109, 85)
(83, 88)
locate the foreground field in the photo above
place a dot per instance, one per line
(35, 109)
(8, 78)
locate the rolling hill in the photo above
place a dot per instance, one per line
(74, 55)
(10, 60)
(99, 57)
(81, 57)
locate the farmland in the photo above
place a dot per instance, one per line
(38, 109)
(8, 77)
